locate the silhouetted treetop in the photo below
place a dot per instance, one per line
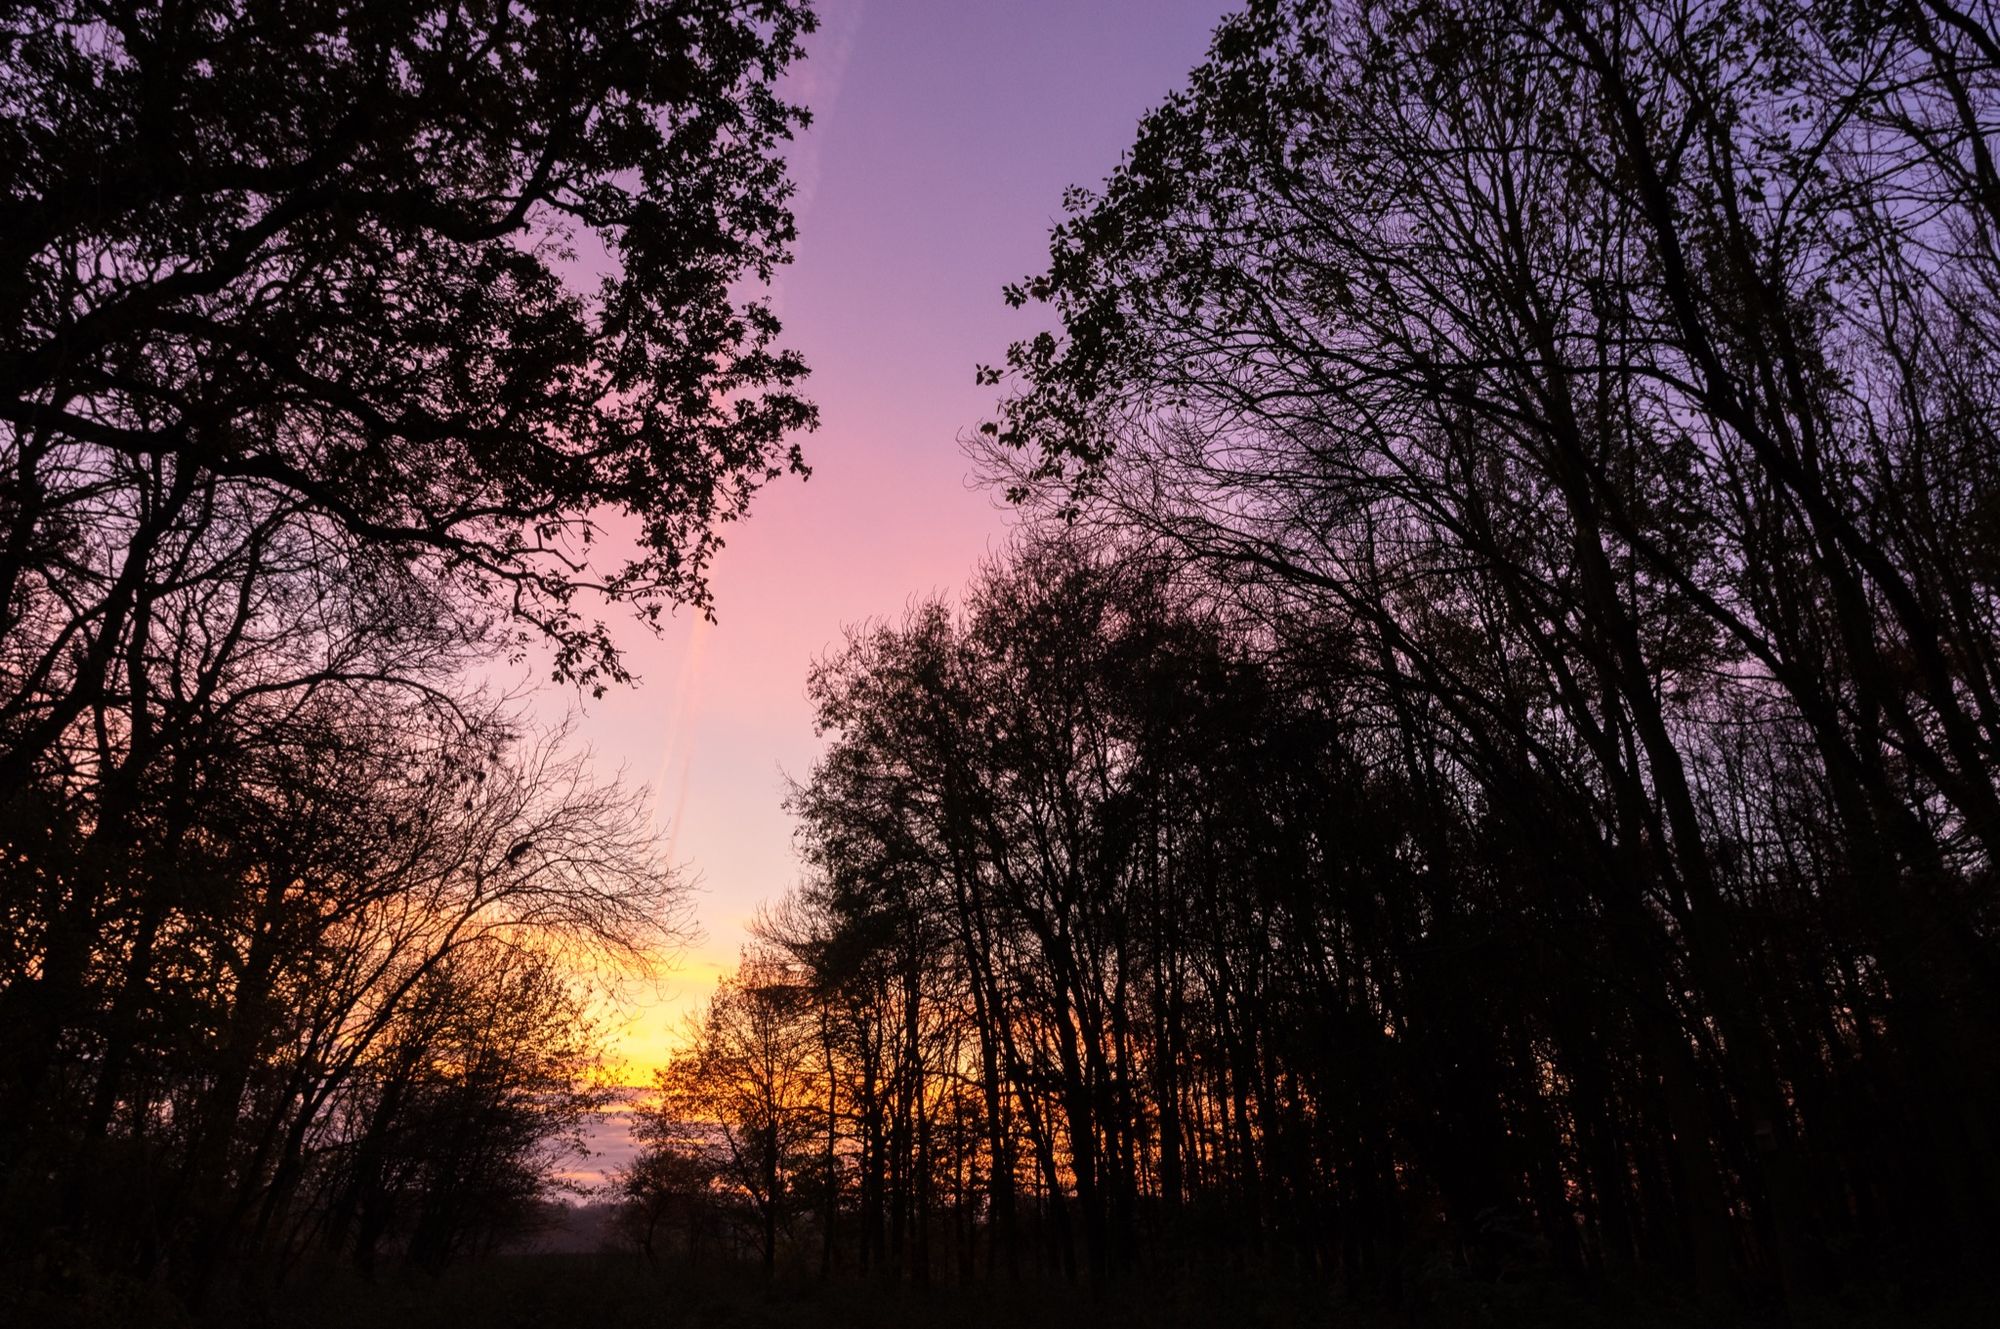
(1596, 401)
(463, 276)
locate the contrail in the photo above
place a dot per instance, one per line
(676, 740)
(680, 806)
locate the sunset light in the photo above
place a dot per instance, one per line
(954, 664)
(943, 137)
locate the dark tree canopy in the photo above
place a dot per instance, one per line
(344, 348)
(1481, 779)
(1475, 786)
(1603, 396)
(465, 277)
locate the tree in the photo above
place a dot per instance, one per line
(741, 1094)
(1563, 381)
(461, 280)
(446, 1135)
(344, 348)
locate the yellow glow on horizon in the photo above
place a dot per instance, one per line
(646, 1029)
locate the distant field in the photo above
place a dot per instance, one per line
(608, 1137)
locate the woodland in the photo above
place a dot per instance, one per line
(1471, 796)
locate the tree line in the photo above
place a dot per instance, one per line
(347, 350)
(1486, 750)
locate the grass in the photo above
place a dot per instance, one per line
(582, 1291)
(560, 1291)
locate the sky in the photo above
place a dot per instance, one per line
(944, 134)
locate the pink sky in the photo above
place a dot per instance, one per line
(944, 134)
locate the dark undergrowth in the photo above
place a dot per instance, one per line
(560, 1291)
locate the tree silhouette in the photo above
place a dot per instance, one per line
(346, 350)
(1480, 771)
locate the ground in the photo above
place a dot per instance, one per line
(582, 1291)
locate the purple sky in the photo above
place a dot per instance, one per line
(945, 132)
